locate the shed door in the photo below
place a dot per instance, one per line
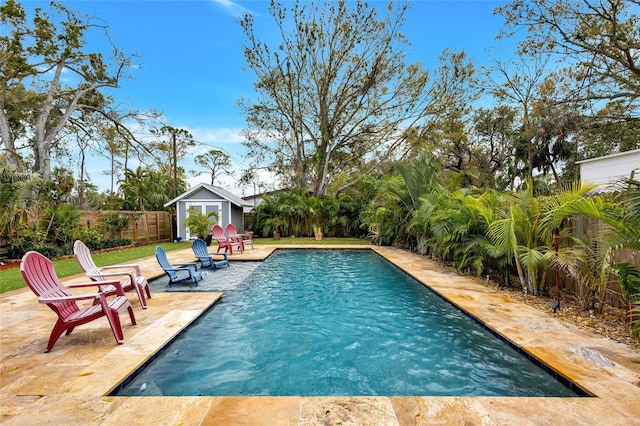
(206, 208)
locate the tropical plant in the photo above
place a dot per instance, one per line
(63, 223)
(629, 278)
(15, 189)
(199, 223)
(115, 223)
(297, 210)
(145, 189)
(456, 225)
(401, 196)
(388, 214)
(618, 216)
(627, 226)
(634, 314)
(266, 214)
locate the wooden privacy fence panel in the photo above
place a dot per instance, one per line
(588, 229)
(144, 227)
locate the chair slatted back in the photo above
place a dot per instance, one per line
(218, 234)
(41, 277)
(232, 232)
(83, 256)
(199, 247)
(164, 263)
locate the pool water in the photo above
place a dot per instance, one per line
(338, 322)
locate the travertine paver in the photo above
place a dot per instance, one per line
(68, 385)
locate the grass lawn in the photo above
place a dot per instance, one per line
(11, 279)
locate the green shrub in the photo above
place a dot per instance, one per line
(89, 234)
(25, 239)
(64, 223)
(49, 251)
(114, 223)
(113, 242)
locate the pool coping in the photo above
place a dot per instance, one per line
(69, 384)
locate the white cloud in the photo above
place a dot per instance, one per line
(226, 139)
(232, 8)
(217, 135)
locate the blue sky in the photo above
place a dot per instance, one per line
(191, 66)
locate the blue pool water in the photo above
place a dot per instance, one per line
(334, 322)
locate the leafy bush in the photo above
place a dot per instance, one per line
(25, 239)
(114, 223)
(105, 243)
(49, 251)
(113, 242)
(63, 225)
(89, 234)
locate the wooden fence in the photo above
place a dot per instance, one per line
(143, 228)
(588, 229)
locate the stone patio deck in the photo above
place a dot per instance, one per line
(69, 385)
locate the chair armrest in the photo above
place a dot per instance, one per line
(177, 270)
(91, 284)
(224, 255)
(116, 283)
(129, 274)
(54, 299)
(186, 265)
(126, 266)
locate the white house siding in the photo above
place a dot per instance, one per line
(606, 170)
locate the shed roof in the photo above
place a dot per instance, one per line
(234, 199)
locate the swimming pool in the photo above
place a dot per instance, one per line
(335, 322)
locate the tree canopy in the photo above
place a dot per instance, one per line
(36, 102)
(335, 91)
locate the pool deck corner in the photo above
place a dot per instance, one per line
(70, 384)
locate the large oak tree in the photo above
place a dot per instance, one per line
(334, 93)
(50, 79)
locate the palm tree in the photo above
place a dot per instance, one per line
(524, 230)
(389, 213)
(200, 224)
(266, 215)
(15, 187)
(627, 227)
(619, 214)
(145, 189)
(400, 197)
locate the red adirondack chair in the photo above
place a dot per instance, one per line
(40, 276)
(132, 278)
(223, 241)
(242, 239)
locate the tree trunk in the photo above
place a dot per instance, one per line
(11, 156)
(523, 282)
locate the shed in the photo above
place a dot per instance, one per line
(610, 168)
(208, 198)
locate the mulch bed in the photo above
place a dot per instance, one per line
(610, 323)
(8, 264)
